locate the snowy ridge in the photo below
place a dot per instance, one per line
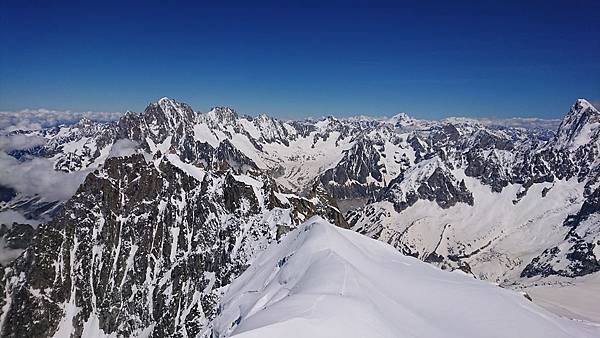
(323, 281)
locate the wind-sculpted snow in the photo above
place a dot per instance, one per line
(323, 281)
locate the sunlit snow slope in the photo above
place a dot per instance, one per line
(323, 281)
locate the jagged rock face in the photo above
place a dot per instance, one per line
(17, 235)
(353, 158)
(169, 227)
(579, 127)
(166, 118)
(71, 150)
(164, 125)
(358, 174)
(496, 190)
(487, 168)
(487, 140)
(14, 239)
(432, 181)
(440, 188)
(326, 206)
(143, 247)
(272, 130)
(222, 116)
(578, 144)
(90, 143)
(579, 255)
(223, 157)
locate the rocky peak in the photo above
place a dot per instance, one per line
(84, 121)
(401, 120)
(263, 118)
(429, 180)
(169, 112)
(489, 139)
(579, 126)
(222, 115)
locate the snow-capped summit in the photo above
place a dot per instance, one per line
(580, 126)
(401, 120)
(222, 115)
(172, 111)
(84, 121)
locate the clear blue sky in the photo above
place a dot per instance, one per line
(523, 58)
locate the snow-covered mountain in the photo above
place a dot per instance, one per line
(323, 281)
(145, 245)
(147, 220)
(476, 201)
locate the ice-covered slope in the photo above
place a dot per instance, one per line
(323, 281)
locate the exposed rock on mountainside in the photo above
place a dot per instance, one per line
(164, 228)
(176, 204)
(144, 235)
(428, 180)
(513, 191)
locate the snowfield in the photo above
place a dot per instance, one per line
(324, 281)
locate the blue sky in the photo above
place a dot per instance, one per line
(296, 59)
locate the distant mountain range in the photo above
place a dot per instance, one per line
(140, 226)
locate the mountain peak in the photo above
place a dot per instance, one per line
(84, 121)
(168, 112)
(401, 119)
(222, 115)
(171, 105)
(165, 99)
(579, 126)
(583, 103)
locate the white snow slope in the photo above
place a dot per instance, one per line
(324, 281)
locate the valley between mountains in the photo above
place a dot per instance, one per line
(178, 223)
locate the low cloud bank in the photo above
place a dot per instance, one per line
(8, 217)
(33, 119)
(20, 142)
(122, 148)
(37, 177)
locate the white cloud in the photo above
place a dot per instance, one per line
(20, 141)
(8, 217)
(123, 147)
(38, 177)
(32, 119)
